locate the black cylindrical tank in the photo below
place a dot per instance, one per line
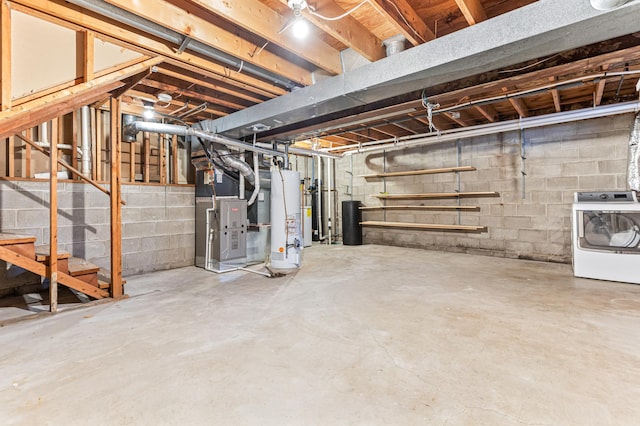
(351, 228)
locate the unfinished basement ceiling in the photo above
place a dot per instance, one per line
(227, 56)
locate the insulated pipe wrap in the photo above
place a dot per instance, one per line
(634, 156)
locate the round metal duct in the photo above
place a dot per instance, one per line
(607, 4)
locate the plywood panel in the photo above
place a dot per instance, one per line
(43, 54)
(108, 55)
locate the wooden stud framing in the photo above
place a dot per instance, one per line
(116, 208)
(5, 56)
(52, 272)
(132, 161)
(88, 45)
(73, 170)
(146, 156)
(11, 157)
(163, 157)
(27, 150)
(174, 159)
(65, 101)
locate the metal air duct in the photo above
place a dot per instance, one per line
(110, 11)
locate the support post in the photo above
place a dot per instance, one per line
(132, 161)
(52, 272)
(146, 156)
(116, 208)
(174, 159)
(5, 56)
(162, 141)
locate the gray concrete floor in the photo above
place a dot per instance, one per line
(360, 335)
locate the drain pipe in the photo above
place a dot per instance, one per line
(85, 140)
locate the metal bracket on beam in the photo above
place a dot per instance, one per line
(183, 46)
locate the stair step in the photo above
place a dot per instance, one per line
(21, 244)
(9, 239)
(42, 254)
(78, 267)
(103, 285)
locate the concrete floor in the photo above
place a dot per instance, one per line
(360, 335)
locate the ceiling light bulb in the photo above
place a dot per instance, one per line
(300, 28)
(148, 113)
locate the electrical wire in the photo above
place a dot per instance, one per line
(344, 15)
(528, 66)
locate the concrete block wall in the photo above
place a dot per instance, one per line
(158, 222)
(531, 217)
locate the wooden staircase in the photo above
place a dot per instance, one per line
(75, 273)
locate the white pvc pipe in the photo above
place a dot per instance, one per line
(493, 128)
(85, 140)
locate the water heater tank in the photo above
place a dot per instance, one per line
(286, 230)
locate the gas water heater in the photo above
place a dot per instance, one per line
(286, 230)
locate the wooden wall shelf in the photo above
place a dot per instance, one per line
(421, 172)
(435, 195)
(420, 208)
(425, 226)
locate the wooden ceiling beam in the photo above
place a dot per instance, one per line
(170, 88)
(131, 105)
(347, 30)
(212, 86)
(472, 10)
(599, 92)
(177, 19)
(114, 33)
(255, 17)
(517, 104)
(555, 94)
(488, 111)
(458, 120)
(405, 19)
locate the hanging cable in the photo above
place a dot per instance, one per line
(344, 15)
(430, 107)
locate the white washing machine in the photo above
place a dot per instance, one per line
(606, 236)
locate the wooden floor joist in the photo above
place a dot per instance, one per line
(424, 226)
(435, 195)
(420, 208)
(421, 172)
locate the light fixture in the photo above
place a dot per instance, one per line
(148, 112)
(607, 4)
(300, 28)
(298, 6)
